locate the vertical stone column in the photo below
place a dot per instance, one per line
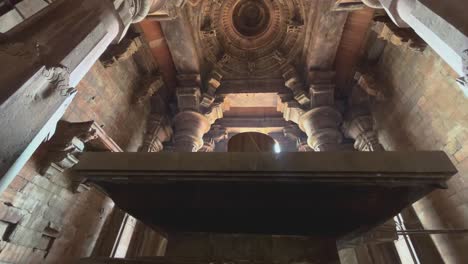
(158, 131)
(293, 132)
(43, 58)
(294, 83)
(441, 25)
(320, 120)
(359, 125)
(190, 127)
(196, 112)
(214, 136)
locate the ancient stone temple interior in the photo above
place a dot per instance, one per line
(234, 131)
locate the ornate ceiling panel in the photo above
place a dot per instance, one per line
(250, 38)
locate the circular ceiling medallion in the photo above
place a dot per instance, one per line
(251, 17)
(251, 37)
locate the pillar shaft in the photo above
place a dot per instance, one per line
(440, 23)
(41, 59)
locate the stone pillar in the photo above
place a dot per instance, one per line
(189, 128)
(197, 112)
(42, 58)
(214, 136)
(442, 24)
(321, 126)
(294, 83)
(359, 126)
(158, 131)
(320, 120)
(293, 132)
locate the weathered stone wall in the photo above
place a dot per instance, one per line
(425, 110)
(107, 96)
(41, 219)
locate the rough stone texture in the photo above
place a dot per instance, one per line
(427, 111)
(41, 219)
(106, 95)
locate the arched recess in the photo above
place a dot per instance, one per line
(251, 142)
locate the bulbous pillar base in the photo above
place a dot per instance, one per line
(361, 129)
(321, 125)
(189, 130)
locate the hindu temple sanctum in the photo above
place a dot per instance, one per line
(234, 131)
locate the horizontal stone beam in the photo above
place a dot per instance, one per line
(260, 122)
(252, 86)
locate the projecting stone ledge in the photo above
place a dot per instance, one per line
(266, 193)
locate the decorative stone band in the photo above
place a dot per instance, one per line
(321, 126)
(190, 127)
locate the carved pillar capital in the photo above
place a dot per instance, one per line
(293, 81)
(359, 125)
(214, 136)
(190, 127)
(150, 85)
(188, 98)
(208, 145)
(321, 126)
(214, 82)
(291, 110)
(158, 131)
(293, 132)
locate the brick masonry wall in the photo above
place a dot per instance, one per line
(106, 96)
(425, 110)
(41, 219)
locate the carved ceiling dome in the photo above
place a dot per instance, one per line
(251, 17)
(251, 37)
